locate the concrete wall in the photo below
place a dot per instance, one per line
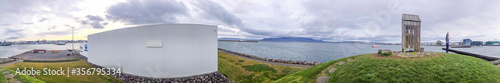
(159, 51)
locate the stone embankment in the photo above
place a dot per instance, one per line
(214, 77)
(6, 60)
(273, 60)
(48, 60)
(495, 62)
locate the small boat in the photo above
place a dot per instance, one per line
(61, 43)
(374, 46)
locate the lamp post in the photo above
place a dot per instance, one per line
(73, 40)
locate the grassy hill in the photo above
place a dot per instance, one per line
(441, 67)
(242, 70)
(310, 74)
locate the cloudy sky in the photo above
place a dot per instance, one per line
(329, 20)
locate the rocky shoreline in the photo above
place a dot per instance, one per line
(273, 60)
(6, 60)
(48, 60)
(495, 62)
(214, 77)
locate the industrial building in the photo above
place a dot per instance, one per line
(477, 43)
(466, 42)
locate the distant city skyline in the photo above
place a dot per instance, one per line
(328, 20)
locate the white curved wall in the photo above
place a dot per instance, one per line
(185, 50)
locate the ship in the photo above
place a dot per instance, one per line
(61, 43)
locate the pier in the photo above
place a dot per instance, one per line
(488, 58)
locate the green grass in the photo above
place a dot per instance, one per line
(310, 74)
(443, 68)
(3, 79)
(64, 79)
(259, 68)
(249, 71)
(22, 78)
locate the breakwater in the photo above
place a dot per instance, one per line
(213, 77)
(272, 60)
(49, 60)
(6, 60)
(488, 58)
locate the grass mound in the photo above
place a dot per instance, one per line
(22, 78)
(439, 68)
(242, 70)
(310, 74)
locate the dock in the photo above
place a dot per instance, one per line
(488, 58)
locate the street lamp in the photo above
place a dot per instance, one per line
(73, 40)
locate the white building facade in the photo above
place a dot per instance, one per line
(158, 51)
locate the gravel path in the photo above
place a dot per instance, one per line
(322, 79)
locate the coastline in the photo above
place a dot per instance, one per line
(308, 63)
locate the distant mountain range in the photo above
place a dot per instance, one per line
(235, 39)
(291, 39)
(281, 39)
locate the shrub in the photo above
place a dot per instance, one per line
(241, 60)
(387, 54)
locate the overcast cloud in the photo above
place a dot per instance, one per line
(329, 20)
(147, 11)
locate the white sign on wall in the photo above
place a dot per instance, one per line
(154, 44)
